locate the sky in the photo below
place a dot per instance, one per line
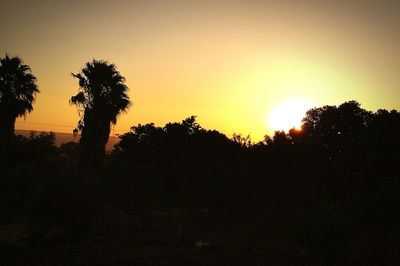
(230, 63)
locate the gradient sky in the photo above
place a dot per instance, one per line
(228, 62)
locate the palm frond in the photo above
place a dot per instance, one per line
(18, 88)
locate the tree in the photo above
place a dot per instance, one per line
(336, 128)
(103, 96)
(18, 91)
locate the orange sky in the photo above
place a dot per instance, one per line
(228, 62)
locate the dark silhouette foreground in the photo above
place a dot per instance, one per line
(182, 194)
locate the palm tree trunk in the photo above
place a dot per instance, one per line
(93, 140)
(7, 124)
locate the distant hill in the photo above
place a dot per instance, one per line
(67, 137)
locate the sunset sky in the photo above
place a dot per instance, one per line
(231, 63)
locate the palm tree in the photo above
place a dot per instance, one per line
(102, 96)
(18, 91)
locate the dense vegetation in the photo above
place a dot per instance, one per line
(325, 195)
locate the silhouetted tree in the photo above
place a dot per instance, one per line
(281, 139)
(18, 90)
(243, 141)
(380, 155)
(141, 143)
(103, 96)
(336, 129)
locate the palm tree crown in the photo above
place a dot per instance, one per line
(18, 91)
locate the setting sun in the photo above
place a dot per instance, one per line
(289, 114)
(151, 131)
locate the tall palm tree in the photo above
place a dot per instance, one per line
(18, 91)
(102, 96)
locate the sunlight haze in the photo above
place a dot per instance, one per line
(289, 114)
(230, 63)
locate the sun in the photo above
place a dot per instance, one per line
(289, 114)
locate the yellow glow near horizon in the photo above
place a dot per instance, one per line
(289, 114)
(227, 62)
